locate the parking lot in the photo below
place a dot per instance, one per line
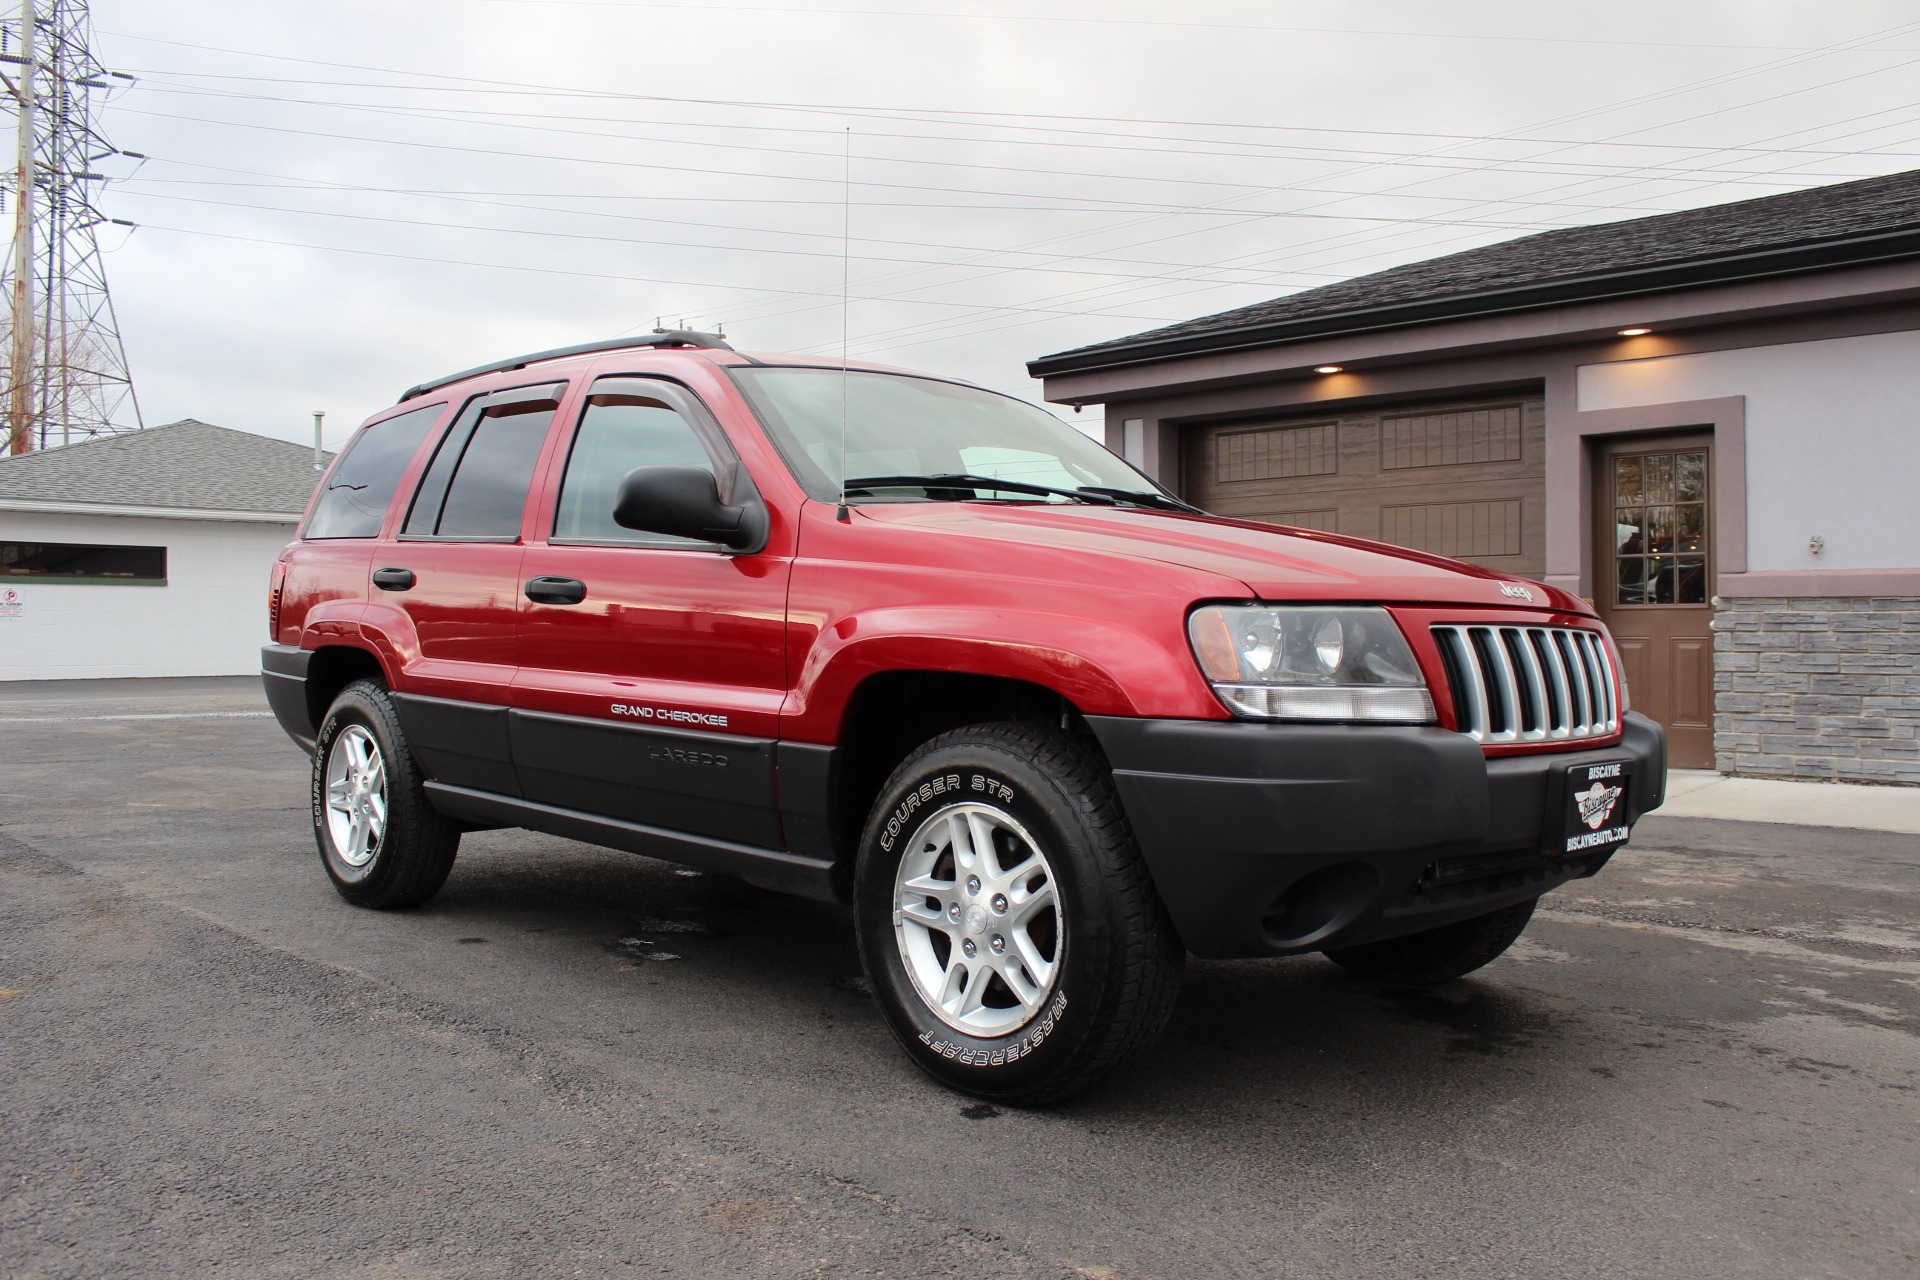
(575, 1062)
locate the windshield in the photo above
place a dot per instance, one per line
(899, 426)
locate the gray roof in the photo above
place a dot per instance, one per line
(185, 464)
(1872, 219)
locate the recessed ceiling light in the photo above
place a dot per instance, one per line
(1326, 368)
(1634, 333)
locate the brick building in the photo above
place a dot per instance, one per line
(1706, 422)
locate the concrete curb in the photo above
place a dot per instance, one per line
(1700, 793)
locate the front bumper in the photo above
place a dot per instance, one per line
(1276, 839)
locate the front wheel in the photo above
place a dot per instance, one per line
(1007, 925)
(1436, 955)
(383, 845)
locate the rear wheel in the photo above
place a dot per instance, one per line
(1436, 955)
(382, 844)
(1006, 921)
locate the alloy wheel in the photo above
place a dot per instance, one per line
(356, 782)
(977, 918)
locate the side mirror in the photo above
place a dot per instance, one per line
(685, 503)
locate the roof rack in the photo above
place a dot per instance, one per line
(670, 338)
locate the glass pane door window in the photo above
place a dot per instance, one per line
(1660, 528)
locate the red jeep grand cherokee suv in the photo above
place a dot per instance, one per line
(1045, 727)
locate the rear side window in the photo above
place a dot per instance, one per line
(357, 493)
(619, 432)
(476, 487)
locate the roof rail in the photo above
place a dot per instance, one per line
(670, 338)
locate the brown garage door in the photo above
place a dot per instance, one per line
(1463, 479)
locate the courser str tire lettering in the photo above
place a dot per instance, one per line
(974, 828)
(382, 843)
(1451, 951)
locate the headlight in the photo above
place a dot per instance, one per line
(1302, 663)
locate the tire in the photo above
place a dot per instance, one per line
(1437, 955)
(1074, 964)
(382, 844)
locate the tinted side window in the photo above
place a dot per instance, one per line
(476, 486)
(358, 491)
(490, 488)
(618, 433)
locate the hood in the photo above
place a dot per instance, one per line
(1275, 562)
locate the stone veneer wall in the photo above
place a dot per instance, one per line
(1818, 688)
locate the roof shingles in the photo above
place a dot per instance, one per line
(187, 465)
(1845, 211)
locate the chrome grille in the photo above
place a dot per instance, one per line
(1529, 684)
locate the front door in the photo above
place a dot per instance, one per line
(652, 668)
(1653, 575)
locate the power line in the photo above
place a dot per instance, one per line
(602, 161)
(1634, 101)
(586, 275)
(932, 114)
(629, 240)
(1273, 151)
(1149, 22)
(466, 198)
(1001, 121)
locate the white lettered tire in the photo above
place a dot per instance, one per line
(1007, 924)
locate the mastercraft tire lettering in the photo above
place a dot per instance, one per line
(1006, 922)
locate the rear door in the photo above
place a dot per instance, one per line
(652, 669)
(452, 575)
(338, 541)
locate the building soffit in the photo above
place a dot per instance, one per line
(1531, 334)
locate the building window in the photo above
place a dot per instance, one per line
(83, 562)
(1660, 528)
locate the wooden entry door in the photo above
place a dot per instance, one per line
(1653, 574)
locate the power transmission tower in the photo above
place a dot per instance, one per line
(66, 372)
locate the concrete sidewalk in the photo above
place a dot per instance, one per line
(1701, 793)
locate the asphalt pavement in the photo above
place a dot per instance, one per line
(575, 1062)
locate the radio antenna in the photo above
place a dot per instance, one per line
(846, 269)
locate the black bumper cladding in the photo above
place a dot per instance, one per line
(283, 671)
(1274, 839)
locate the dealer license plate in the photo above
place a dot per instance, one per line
(1596, 813)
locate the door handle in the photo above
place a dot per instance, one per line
(556, 590)
(393, 579)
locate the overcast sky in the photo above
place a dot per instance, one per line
(344, 198)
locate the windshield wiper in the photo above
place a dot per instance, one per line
(1160, 501)
(946, 481)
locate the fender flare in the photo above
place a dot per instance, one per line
(1107, 660)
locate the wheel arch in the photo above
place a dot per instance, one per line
(332, 668)
(889, 714)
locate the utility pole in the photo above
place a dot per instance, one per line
(20, 402)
